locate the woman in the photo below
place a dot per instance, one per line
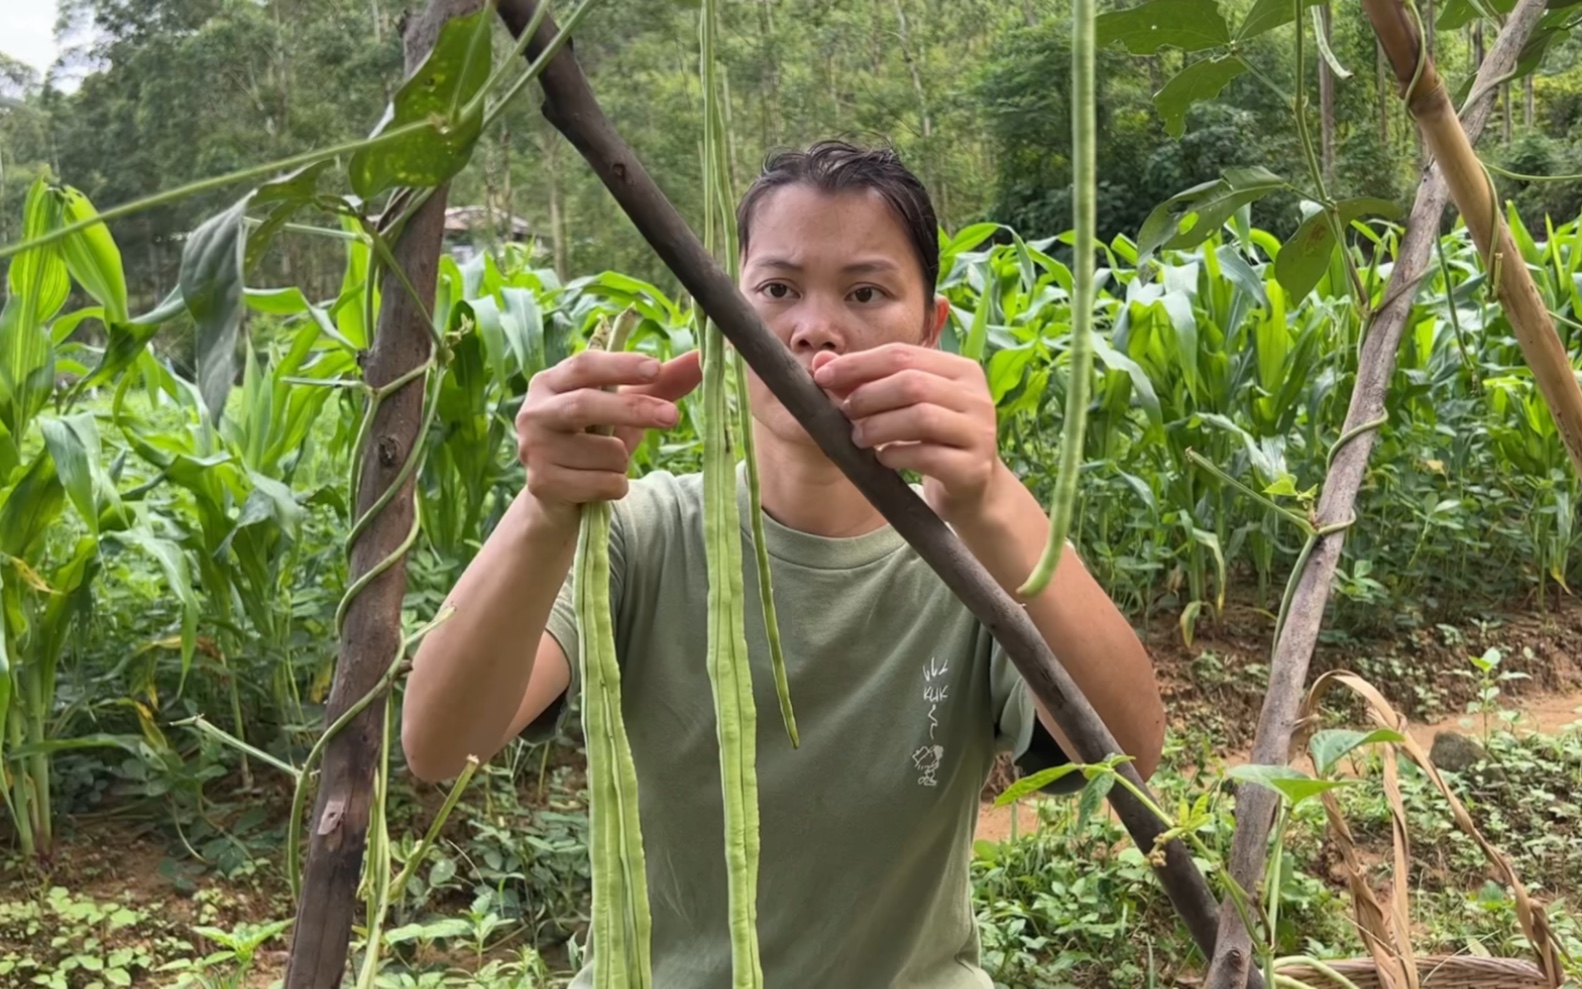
(901, 697)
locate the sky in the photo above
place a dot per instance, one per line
(27, 31)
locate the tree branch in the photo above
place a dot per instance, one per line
(570, 105)
(372, 631)
(1256, 805)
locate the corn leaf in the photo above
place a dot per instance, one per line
(92, 257)
(211, 284)
(38, 284)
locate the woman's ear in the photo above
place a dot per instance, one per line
(936, 321)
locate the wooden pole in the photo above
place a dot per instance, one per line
(1473, 194)
(570, 105)
(1256, 805)
(338, 829)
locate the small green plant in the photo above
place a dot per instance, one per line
(1486, 669)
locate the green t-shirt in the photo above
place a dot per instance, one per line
(901, 699)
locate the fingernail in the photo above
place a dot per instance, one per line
(823, 375)
(856, 435)
(669, 415)
(649, 368)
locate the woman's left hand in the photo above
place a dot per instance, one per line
(920, 409)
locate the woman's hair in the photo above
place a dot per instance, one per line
(836, 166)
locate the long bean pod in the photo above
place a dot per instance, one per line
(730, 675)
(1083, 181)
(622, 927)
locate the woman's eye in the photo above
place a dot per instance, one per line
(777, 290)
(865, 294)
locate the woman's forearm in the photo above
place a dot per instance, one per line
(471, 673)
(1084, 629)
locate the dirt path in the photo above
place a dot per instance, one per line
(1543, 714)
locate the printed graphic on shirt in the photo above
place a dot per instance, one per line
(935, 692)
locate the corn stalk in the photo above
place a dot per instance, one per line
(571, 107)
(1298, 634)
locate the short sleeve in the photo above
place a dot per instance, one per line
(562, 626)
(1017, 728)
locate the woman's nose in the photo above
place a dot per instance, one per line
(816, 330)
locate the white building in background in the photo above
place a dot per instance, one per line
(470, 228)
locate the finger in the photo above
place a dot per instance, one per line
(585, 451)
(586, 407)
(907, 388)
(847, 371)
(676, 378)
(576, 486)
(928, 459)
(601, 369)
(917, 424)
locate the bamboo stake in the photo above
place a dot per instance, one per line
(1473, 193)
(1256, 805)
(570, 105)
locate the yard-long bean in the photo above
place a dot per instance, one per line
(621, 934)
(729, 673)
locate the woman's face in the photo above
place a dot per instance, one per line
(832, 272)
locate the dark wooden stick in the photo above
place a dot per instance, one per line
(570, 105)
(1256, 805)
(372, 635)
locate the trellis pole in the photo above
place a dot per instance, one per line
(1293, 651)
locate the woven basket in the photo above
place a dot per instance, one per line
(1436, 972)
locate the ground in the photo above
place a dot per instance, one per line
(170, 908)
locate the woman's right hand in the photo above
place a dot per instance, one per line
(568, 464)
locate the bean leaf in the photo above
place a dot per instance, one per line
(1331, 745)
(1092, 796)
(1037, 781)
(452, 74)
(211, 284)
(1304, 258)
(1266, 15)
(1212, 202)
(1295, 785)
(1202, 80)
(1190, 25)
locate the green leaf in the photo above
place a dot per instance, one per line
(1236, 268)
(1092, 797)
(31, 506)
(1266, 15)
(285, 195)
(38, 285)
(71, 461)
(1331, 745)
(1202, 80)
(5, 682)
(291, 302)
(92, 257)
(1035, 782)
(1212, 202)
(452, 74)
(1142, 386)
(1304, 258)
(1190, 25)
(211, 284)
(173, 561)
(127, 340)
(1295, 785)
(1006, 370)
